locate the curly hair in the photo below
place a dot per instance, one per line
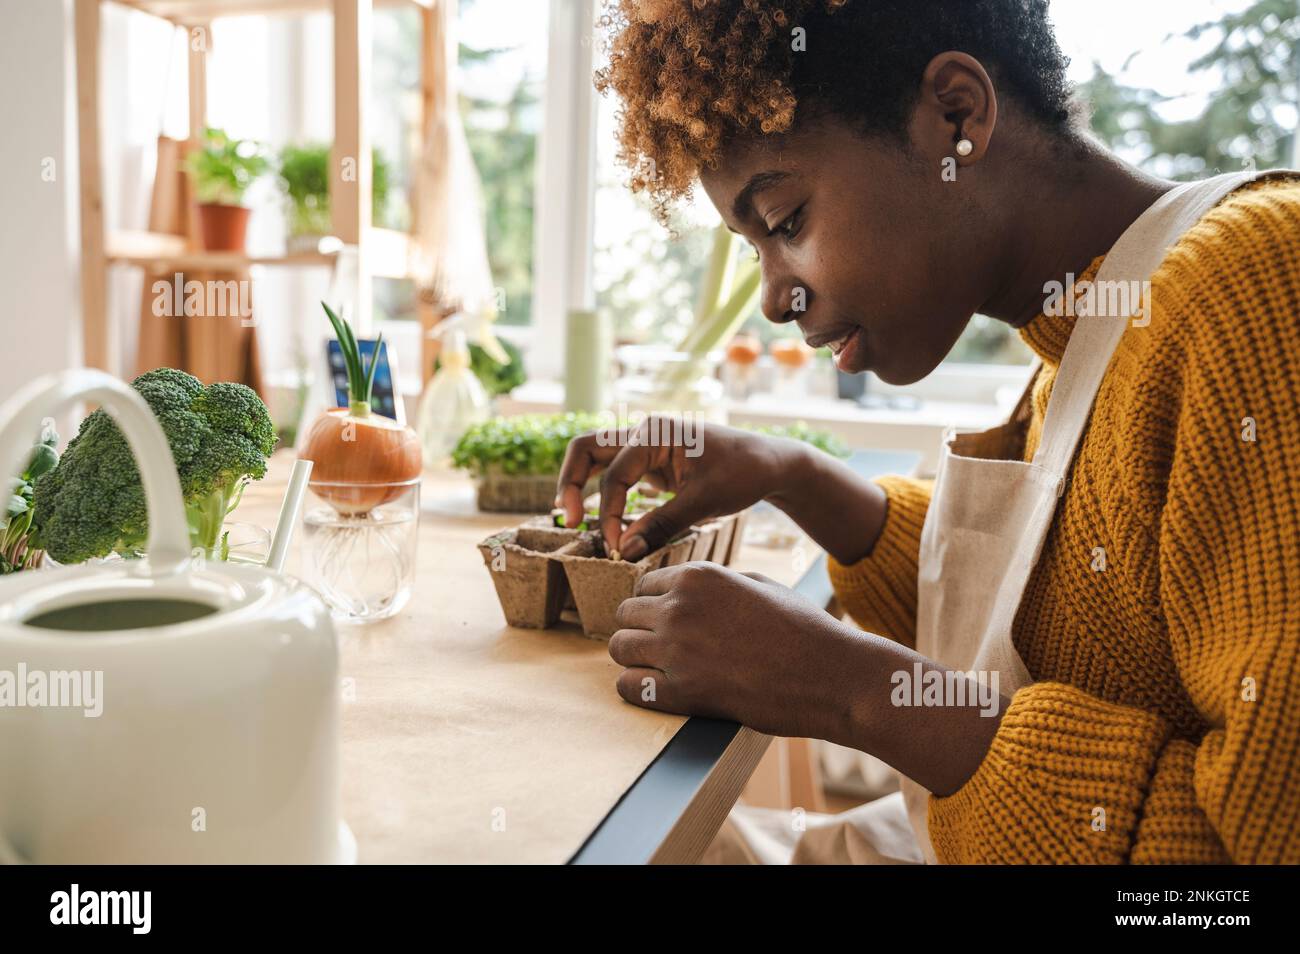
(694, 75)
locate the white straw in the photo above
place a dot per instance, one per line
(288, 515)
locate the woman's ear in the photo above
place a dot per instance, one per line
(957, 109)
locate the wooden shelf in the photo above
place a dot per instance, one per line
(388, 254)
(364, 252)
(201, 11)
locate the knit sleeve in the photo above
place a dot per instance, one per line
(879, 591)
(1070, 777)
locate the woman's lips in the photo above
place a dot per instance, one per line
(850, 352)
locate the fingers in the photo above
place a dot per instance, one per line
(644, 681)
(634, 648)
(628, 466)
(586, 455)
(638, 612)
(659, 582)
(613, 499)
(649, 688)
(655, 528)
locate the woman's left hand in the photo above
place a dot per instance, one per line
(702, 639)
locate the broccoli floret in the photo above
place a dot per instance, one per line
(92, 503)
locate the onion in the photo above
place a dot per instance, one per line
(361, 451)
(360, 459)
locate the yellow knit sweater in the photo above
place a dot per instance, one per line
(1164, 721)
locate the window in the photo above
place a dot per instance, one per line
(502, 70)
(644, 279)
(500, 78)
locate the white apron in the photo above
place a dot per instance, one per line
(988, 519)
(983, 533)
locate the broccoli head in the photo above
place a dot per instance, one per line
(92, 503)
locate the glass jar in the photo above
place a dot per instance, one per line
(360, 543)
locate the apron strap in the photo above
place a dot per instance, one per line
(1127, 268)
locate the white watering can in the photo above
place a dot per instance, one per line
(217, 734)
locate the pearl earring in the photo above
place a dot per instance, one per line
(965, 147)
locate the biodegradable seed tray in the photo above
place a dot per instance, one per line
(727, 531)
(541, 570)
(737, 537)
(529, 582)
(705, 538)
(600, 584)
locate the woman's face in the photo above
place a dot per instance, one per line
(866, 246)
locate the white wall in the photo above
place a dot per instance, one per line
(39, 303)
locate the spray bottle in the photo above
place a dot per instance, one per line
(454, 399)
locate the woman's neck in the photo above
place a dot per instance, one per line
(1083, 205)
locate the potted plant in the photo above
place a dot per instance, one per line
(360, 459)
(515, 461)
(223, 170)
(304, 178)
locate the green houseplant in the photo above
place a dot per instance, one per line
(515, 461)
(222, 172)
(304, 179)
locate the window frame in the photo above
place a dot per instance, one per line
(564, 187)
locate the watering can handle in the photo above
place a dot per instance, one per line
(23, 414)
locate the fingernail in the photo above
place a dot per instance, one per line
(635, 548)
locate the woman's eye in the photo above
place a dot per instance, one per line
(789, 227)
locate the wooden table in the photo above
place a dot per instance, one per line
(465, 740)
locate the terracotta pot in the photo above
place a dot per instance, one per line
(224, 227)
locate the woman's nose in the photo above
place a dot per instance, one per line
(784, 299)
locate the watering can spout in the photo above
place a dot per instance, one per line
(30, 410)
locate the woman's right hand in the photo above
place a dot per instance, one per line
(710, 469)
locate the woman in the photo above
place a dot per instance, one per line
(1119, 570)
